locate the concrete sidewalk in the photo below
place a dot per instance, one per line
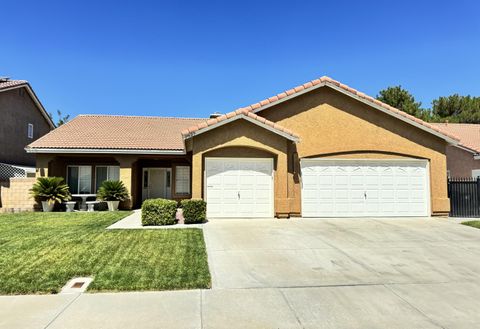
(370, 306)
(134, 222)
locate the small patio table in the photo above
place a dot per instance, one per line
(83, 204)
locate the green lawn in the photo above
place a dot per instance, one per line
(472, 223)
(40, 252)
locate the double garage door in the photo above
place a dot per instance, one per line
(351, 188)
(239, 187)
(243, 187)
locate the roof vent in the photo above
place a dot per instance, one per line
(215, 115)
(4, 79)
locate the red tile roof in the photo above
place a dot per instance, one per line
(330, 82)
(190, 131)
(12, 83)
(117, 132)
(469, 133)
(157, 133)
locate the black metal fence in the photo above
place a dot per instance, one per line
(464, 194)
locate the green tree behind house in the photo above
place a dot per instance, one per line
(456, 108)
(402, 99)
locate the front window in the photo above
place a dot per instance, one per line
(182, 180)
(104, 173)
(79, 179)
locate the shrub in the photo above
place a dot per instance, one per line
(112, 190)
(194, 211)
(159, 212)
(51, 189)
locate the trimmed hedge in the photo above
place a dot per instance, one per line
(159, 212)
(194, 211)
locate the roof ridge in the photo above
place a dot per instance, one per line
(15, 80)
(237, 113)
(455, 123)
(325, 80)
(138, 116)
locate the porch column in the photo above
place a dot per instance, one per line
(42, 164)
(126, 164)
(197, 175)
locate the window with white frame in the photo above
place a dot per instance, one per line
(79, 179)
(104, 173)
(30, 130)
(182, 180)
(475, 173)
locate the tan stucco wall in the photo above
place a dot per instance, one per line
(242, 139)
(330, 124)
(461, 162)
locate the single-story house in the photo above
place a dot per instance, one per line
(322, 149)
(463, 159)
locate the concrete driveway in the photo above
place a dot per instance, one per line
(354, 273)
(334, 252)
(338, 273)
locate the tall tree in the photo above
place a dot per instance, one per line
(456, 108)
(402, 99)
(61, 118)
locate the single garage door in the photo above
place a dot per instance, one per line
(377, 188)
(239, 187)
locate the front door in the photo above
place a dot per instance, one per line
(157, 183)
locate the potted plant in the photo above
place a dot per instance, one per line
(49, 190)
(112, 191)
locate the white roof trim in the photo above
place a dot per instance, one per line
(365, 101)
(243, 116)
(35, 100)
(103, 151)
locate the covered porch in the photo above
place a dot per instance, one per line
(145, 176)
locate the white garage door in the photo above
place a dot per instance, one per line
(239, 187)
(351, 188)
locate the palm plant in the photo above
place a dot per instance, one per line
(50, 190)
(112, 190)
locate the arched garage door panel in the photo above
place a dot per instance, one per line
(239, 187)
(364, 188)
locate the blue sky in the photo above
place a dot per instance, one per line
(185, 58)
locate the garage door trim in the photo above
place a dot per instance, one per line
(243, 159)
(424, 162)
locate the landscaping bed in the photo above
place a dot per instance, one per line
(40, 252)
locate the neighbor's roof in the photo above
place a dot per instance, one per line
(14, 84)
(468, 133)
(327, 81)
(115, 132)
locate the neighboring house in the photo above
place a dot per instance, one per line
(322, 149)
(23, 120)
(463, 160)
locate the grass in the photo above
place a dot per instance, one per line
(472, 223)
(40, 252)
